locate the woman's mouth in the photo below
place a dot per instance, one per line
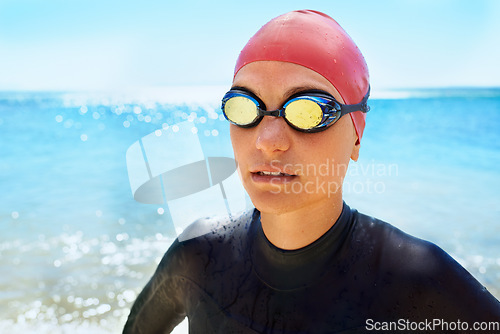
(264, 173)
(272, 178)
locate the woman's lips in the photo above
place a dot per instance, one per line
(272, 177)
(273, 173)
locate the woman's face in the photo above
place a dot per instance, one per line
(310, 167)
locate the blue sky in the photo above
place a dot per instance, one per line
(99, 44)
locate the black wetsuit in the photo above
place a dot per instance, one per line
(362, 271)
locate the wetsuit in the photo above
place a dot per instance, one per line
(233, 280)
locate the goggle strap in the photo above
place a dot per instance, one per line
(361, 106)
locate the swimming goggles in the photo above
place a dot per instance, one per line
(307, 111)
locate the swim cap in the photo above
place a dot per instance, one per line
(316, 41)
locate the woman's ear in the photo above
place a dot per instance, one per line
(355, 150)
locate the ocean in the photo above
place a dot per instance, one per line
(76, 247)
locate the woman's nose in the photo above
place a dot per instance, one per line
(273, 135)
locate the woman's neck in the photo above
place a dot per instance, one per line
(301, 227)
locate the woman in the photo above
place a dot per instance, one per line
(303, 261)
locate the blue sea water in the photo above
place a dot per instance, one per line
(76, 248)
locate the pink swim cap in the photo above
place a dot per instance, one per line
(316, 41)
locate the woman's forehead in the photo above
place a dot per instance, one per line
(281, 79)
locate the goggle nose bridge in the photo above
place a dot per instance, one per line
(275, 113)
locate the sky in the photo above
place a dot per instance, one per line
(114, 44)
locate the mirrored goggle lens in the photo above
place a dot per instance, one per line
(241, 110)
(304, 114)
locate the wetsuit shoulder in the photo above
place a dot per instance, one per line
(210, 227)
(193, 255)
(423, 274)
(398, 250)
(185, 268)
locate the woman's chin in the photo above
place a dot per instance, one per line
(277, 203)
